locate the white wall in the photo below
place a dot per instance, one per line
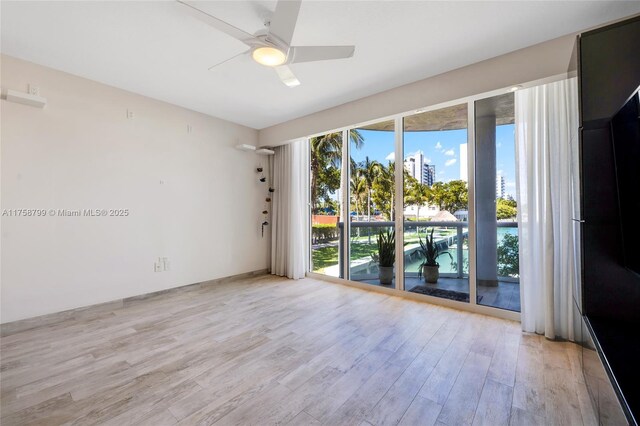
(533, 63)
(192, 197)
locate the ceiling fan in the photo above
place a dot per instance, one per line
(272, 48)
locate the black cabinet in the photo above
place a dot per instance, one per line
(609, 75)
(608, 70)
(601, 392)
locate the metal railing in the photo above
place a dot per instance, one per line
(457, 239)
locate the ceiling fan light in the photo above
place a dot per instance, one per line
(269, 56)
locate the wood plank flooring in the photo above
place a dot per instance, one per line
(266, 350)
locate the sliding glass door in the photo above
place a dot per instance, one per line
(371, 201)
(451, 200)
(325, 203)
(436, 231)
(497, 259)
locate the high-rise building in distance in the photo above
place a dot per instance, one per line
(428, 174)
(500, 192)
(419, 169)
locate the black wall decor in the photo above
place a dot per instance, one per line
(609, 78)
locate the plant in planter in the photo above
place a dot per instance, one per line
(386, 256)
(430, 266)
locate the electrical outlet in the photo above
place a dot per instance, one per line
(130, 114)
(34, 90)
(157, 267)
(189, 128)
(166, 266)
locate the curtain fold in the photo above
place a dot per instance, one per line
(546, 125)
(290, 201)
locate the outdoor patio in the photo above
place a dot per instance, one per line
(451, 285)
(505, 296)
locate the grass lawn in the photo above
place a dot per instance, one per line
(324, 257)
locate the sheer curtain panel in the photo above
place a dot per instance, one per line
(289, 235)
(546, 121)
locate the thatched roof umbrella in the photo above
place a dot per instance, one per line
(444, 216)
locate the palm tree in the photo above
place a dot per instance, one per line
(326, 151)
(418, 195)
(357, 187)
(370, 171)
(384, 188)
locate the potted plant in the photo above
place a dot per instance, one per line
(386, 256)
(430, 266)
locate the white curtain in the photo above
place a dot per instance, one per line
(546, 122)
(290, 200)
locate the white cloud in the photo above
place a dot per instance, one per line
(510, 184)
(391, 156)
(450, 162)
(449, 152)
(499, 145)
(441, 172)
(427, 160)
(439, 146)
(500, 172)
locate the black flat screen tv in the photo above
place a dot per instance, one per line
(625, 132)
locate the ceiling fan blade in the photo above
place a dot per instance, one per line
(299, 54)
(227, 60)
(283, 21)
(218, 24)
(287, 76)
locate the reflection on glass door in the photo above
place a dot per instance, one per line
(436, 232)
(326, 226)
(497, 251)
(371, 198)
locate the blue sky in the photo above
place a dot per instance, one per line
(442, 148)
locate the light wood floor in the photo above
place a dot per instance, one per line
(272, 351)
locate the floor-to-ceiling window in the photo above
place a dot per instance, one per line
(436, 244)
(325, 203)
(451, 199)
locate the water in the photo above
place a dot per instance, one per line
(447, 265)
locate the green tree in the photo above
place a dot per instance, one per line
(508, 256)
(450, 196)
(358, 189)
(370, 170)
(506, 209)
(328, 180)
(326, 158)
(418, 194)
(383, 192)
(510, 201)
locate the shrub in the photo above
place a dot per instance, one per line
(508, 256)
(322, 233)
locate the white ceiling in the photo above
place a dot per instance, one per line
(158, 50)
